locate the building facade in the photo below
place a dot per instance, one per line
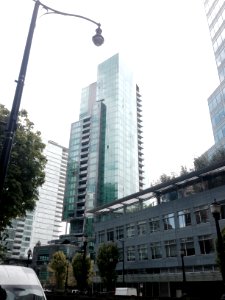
(42, 255)
(215, 12)
(105, 152)
(44, 223)
(152, 227)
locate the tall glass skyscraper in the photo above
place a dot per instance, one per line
(105, 160)
(48, 212)
(44, 223)
(215, 12)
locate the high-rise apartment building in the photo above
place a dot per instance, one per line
(105, 160)
(44, 223)
(215, 12)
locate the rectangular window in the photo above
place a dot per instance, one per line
(187, 245)
(141, 227)
(131, 253)
(169, 221)
(171, 249)
(184, 218)
(121, 254)
(206, 244)
(202, 214)
(119, 233)
(142, 252)
(101, 236)
(110, 235)
(156, 250)
(130, 230)
(154, 224)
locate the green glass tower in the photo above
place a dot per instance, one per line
(105, 152)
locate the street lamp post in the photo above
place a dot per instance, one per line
(97, 39)
(215, 209)
(184, 285)
(84, 270)
(123, 261)
(182, 254)
(29, 253)
(67, 274)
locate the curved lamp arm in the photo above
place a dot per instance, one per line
(54, 11)
(97, 39)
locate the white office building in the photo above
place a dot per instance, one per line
(45, 223)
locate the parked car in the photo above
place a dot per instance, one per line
(19, 283)
(125, 291)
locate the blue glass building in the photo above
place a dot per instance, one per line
(215, 12)
(105, 152)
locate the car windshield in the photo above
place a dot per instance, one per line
(21, 292)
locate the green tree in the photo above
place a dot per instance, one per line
(71, 281)
(183, 170)
(25, 171)
(218, 156)
(107, 259)
(165, 178)
(201, 162)
(58, 266)
(81, 270)
(204, 161)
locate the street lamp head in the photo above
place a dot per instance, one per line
(29, 252)
(215, 209)
(98, 39)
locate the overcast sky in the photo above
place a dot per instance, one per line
(169, 49)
